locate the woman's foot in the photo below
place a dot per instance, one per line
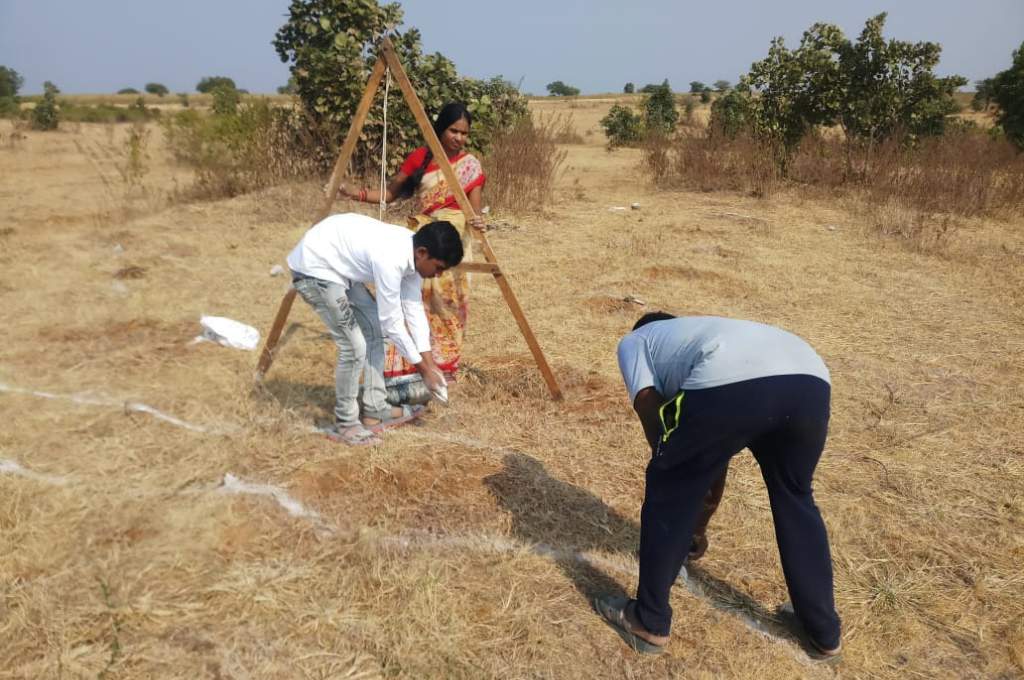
(395, 413)
(620, 614)
(399, 415)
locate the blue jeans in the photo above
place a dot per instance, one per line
(350, 314)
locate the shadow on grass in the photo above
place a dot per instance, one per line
(547, 511)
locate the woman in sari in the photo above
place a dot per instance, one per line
(445, 298)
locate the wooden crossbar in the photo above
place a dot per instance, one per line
(388, 59)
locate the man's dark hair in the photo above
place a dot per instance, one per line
(650, 317)
(442, 241)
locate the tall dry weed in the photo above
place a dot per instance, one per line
(525, 161)
(256, 147)
(696, 160)
(915, 193)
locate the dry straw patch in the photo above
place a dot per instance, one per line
(468, 547)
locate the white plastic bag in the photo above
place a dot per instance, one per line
(229, 333)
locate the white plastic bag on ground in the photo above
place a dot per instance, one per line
(229, 333)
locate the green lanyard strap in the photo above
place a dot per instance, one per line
(669, 415)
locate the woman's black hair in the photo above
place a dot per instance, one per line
(651, 317)
(442, 241)
(449, 114)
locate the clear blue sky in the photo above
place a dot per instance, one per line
(100, 46)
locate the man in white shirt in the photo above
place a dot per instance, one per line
(704, 389)
(331, 266)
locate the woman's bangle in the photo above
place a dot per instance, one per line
(362, 195)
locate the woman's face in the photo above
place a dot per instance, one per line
(455, 136)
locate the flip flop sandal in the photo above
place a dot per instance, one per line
(409, 414)
(787, 618)
(613, 610)
(355, 435)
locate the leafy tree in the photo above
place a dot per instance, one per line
(156, 88)
(696, 87)
(873, 88)
(326, 43)
(128, 90)
(889, 87)
(649, 88)
(982, 94)
(629, 88)
(291, 87)
(560, 89)
(46, 115)
(705, 96)
(622, 126)
(10, 82)
(209, 83)
(722, 85)
(1008, 93)
(732, 113)
(660, 114)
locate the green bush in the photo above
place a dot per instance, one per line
(622, 126)
(209, 83)
(696, 87)
(156, 88)
(1008, 92)
(10, 82)
(107, 113)
(46, 114)
(731, 113)
(560, 89)
(9, 107)
(128, 90)
(982, 94)
(629, 88)
(659, 107)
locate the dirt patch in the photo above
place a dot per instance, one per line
(607, 304)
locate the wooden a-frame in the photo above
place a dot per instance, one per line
(388, 59)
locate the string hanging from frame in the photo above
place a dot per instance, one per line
(383, 205)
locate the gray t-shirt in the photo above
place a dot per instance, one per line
(696, 352)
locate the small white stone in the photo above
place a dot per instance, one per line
(634, 206)
(276, 270)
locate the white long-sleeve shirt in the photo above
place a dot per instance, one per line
(350, 248)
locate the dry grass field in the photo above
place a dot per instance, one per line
(163, 517)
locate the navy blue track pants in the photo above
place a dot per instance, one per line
(783, 420)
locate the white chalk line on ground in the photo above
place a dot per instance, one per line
(483, 542)
(127, 405)
(13, 467)
(478, 542)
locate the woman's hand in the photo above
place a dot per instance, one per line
(343, 191)
(477, 222)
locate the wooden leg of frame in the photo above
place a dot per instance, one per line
(267, 355)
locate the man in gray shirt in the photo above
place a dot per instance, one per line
(704, 389)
